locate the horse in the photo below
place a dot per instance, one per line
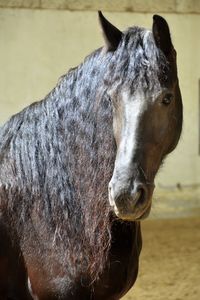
(77, 169)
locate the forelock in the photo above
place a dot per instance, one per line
(138, 63)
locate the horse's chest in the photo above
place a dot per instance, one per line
(119, 275)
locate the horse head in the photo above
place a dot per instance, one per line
(147, 111)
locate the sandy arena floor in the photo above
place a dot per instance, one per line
(170, 261)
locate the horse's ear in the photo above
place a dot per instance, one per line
(111, 34)
(161, 34)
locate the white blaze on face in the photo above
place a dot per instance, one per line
(133, 107)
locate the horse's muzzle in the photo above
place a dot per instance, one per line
(131, 204)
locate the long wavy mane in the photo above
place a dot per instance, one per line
(57, 155)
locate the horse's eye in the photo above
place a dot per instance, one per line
(167, 99)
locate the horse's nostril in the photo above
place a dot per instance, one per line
(136, 196)
(119, 201)
(142, 192)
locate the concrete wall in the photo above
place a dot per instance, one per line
(38, 46)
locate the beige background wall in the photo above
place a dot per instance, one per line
(38, 46)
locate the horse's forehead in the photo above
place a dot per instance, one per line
(146, 66)
(140, 98)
